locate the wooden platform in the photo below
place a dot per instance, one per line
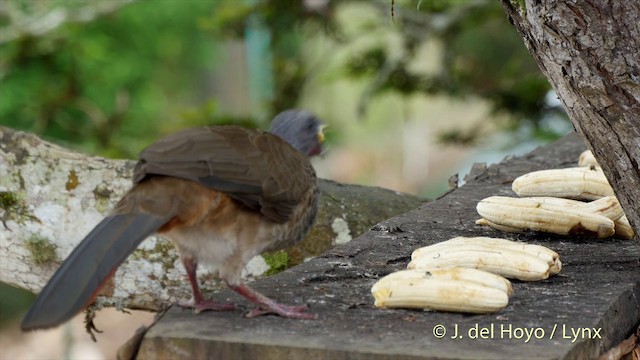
(593, 304)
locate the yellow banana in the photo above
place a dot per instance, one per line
(483, 243)
(511, 264)
(511, 229)
(454, 274)
(437, 292)
(532, 214)
(623, 228)
(607, 206)
(587, 159)
(580, 183)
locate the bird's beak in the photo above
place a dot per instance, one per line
(321, 133)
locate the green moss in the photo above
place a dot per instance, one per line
(520, 4)
(14, 208)
(163, 252)
(102, 194)
(41, 249)
(8, 200)
(277, 261)
(165, 248)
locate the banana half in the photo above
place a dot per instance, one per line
(541, 215)
(501, 257)
(451, 289)
(599, 218)
(579, 183)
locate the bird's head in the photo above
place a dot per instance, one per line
(301, 129)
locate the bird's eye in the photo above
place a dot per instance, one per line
(311, 126)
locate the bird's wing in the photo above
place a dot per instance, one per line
(256, 168)
(77, 281)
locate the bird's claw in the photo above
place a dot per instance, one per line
(293, 312)
(205, 305)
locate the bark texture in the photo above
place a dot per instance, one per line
(589, 51)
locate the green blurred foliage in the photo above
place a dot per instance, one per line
(482, 56)
(289, 22)
(487, 57)
(111, 84)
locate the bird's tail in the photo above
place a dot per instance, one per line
(78, 280)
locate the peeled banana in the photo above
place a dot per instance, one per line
(541, 215)
(491, 244)
(485, 222)
(587, 159)
(454, 274)
(580, 183)
(451, 289)
(623, 228)
(504, 262)
(607, 206)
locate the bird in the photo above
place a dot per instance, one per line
(222, 194)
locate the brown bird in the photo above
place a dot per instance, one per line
(222, 194)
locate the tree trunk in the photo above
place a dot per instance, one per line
(589, 51)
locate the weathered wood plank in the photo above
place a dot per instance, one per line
(599, 288)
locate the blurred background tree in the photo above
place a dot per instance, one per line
(109, 76)
(413, 92)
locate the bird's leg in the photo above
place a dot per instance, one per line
(198, 303)
(268, 306)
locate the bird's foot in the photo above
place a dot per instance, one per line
(204, 305)
(294, 312)
(269, 306)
